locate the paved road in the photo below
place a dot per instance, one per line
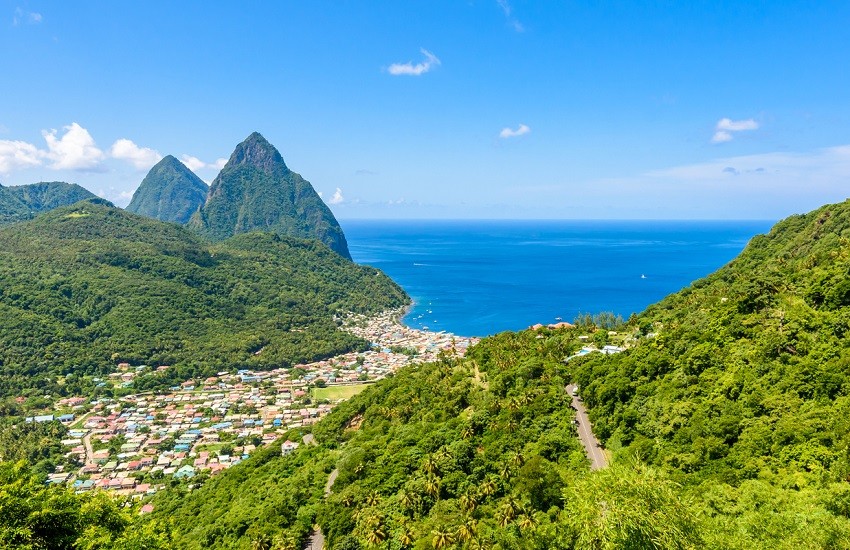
(594, 451)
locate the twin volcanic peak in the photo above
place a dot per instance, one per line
(256, 191)
(169, 193)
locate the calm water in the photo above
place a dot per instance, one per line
(481, 277)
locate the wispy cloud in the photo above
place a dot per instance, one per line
(23, 16)
(430, 61)
(75, 150)
(510, 132)
(140, 157)
(508, 11)
(364, 172)
(725, 127)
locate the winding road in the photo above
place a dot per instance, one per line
(594, 451)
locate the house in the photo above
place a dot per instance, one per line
(288, 447)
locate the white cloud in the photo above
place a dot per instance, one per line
(18, 154)
(22, 16)
(725, 127)
(509, 132)
(140, 157)
(721, 136)
(194, 163)
(337, 197)
(737, 125)
(75, 150)
(409, 68)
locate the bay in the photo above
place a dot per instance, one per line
(475, 278)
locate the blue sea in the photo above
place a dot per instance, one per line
(475, 278)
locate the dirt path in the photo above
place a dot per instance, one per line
(316, 540)
(594, 451)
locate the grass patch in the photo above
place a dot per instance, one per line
(335, 393)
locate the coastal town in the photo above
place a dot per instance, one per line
(132, 445)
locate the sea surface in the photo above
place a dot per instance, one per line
(475, 278)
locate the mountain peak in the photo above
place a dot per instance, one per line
(170, 192)
(255, 191)
(256, 151)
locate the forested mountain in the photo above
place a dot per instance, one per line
(257, 191)
(90, 285)
(170, 192)
(727, 420)
(22, 202)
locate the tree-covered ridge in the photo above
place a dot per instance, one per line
(170, 192)
(22, 202)
(34, 516)
(257, 191)
(87, 286)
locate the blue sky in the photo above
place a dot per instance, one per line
(477, 109)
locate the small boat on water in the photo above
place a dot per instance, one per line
(643, 276)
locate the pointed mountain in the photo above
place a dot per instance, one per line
(22, 202)
(256, 191)
(170, 192)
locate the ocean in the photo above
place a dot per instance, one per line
(475, 278)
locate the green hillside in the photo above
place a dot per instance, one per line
(87, 286)
(170, 192)
(22, 202)
(257, 191)
(727, 420)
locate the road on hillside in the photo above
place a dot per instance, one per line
(594, 451)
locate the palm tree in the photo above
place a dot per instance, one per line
(373, 499)
(505, 471)
(468, 501)
(432, 486)
(376, 531)
(407, 500)
(406, 537)
(261, 542)
(527, 521)
(468, 432)
(442, 539)
(517, 459)
(429, 465)
(467, 530)
(488, 488)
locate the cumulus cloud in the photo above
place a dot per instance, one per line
(337, 197)
(194, 163)
(510, 132)
(15, 155)
(75, 150)
(140, 157)
(430, 61)
(725, 127)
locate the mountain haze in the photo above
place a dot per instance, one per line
(170, 192)
(22, 202)
(257, 191)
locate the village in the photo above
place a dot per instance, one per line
(135, 444)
